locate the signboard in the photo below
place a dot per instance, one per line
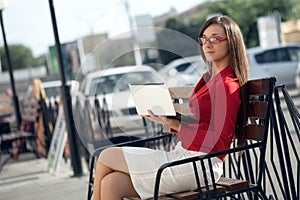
(58, 143)
(145, 29)
(269, 30)
(70, 56)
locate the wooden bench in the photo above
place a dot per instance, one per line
(247, 177)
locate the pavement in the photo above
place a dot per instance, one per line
(28, 179)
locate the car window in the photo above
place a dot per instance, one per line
(183, 67)
(196, 68)
(267, 56)
(119, 82)
(104, 84)
(294, 53)
(135, 78)
(52, 91)
(279, 55)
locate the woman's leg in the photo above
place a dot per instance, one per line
(116, 186)
(112, 180)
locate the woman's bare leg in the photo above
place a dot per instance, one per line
(112, 179)
(116, 186)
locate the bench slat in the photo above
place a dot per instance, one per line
(232, 184)
(258, 87)
(257, 109)
(254, 132)
(15, 135)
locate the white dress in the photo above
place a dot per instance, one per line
(143, 164)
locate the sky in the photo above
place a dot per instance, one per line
(28, 22)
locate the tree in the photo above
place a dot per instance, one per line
(245, 13)
(21, 57)
(179, 45)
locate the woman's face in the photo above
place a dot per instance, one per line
(216, 51)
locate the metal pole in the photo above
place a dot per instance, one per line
(15, 97)
(67, 102)
(136, 47)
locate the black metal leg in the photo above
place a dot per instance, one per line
(91, 179)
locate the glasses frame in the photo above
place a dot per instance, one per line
(216, 40)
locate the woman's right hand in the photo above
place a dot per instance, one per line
(155, 118)
(170, 123)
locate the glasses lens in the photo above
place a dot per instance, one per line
(202, 40)
(214, 40)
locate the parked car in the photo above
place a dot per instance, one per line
(52, 90)
(183, 71)
(113, 84)
(280, 61)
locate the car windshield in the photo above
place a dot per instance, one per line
(52, 91)
(119, 82)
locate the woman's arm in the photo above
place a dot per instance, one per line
(167, 122)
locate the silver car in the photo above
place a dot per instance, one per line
(280, 61)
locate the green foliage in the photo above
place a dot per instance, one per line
(21, 57)
(244, 12)
(175, 24)
(294, 12)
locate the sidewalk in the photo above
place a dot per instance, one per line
(28, 179)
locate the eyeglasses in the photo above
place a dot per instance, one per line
(212, 40)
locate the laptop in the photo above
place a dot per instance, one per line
(152, 96)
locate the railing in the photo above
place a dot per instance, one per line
(281, 177)
(282, 171)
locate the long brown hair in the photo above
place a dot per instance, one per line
(237, 58)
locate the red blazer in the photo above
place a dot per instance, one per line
(215, 104)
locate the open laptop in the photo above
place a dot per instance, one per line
(152, 96)
(156, 97)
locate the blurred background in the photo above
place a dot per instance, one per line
(106, 44)
(84, 25)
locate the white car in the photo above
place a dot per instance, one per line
(52, 90)
(183, 71)
(113, 84)
(281, 61)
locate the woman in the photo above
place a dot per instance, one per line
(130, 172)
(37, 94)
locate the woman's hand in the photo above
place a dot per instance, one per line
(155, 118)
(167, 122)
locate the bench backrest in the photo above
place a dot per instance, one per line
(255, 111)
(253, 134)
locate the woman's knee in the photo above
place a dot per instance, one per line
(107, 154)
(114, 158)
